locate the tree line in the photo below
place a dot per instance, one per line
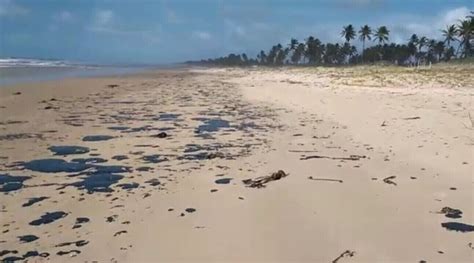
(457, 42)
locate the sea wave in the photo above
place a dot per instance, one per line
(26, 62)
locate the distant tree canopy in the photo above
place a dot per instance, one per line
(457, 42)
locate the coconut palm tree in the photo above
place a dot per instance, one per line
(414, 39)
(348, 33)
(365, 33)
(293, 44)
(422, 42)
(449, 34)
(262, 57)
(297, 53)
(381, 35)
(465, 32)
(439, 49)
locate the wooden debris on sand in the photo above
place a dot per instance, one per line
(350, 158)
(260, 182)
(388, 180)
(325, 179)
(344, 254)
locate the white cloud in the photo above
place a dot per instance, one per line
(234, 28)
(202, 35)
(172, 17)
(452, 16)
(63, 16)
(106, 22)
(103, 18)
(11, 9)
(430, 27)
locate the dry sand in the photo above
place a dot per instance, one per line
(337, 133)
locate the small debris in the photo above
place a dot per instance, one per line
(190, 210)
(325, 179)
(412, 118)
(344, 254)
(350, 158)
(161, 135)
(451, 212)
(260, 182)
(120, 232)
(388, 180)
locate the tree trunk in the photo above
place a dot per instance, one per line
(363, 50)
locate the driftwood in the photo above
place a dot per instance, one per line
(350, 158)
(260, 182)
(346, 253)
(325, 179)
(388, 180)
(412, 118)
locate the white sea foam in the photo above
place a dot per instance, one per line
(26, 62)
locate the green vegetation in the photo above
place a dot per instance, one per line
(457, 43)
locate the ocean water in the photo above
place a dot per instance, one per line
(15, 71)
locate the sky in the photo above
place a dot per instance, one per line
(167, 31)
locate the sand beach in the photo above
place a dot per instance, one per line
(292, 164)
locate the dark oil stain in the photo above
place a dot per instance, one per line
(89, 160)
(27, 238)
(458, 227)
(98, 182)
(154, 158)
(190, 210)
(153, 182)
(118, 128)
(54, 166)
(34, 200)
(79, 243)
(74, 251)
(144, 169)
(48, 218)
(96, 138)
(128, 186)
(120, 157)
(168, 117)
(223, 181)
(212, 125)
(68, 150)
(9, 183)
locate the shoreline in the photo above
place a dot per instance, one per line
(34, 75)
(372, 156)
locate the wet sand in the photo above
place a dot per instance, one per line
(376, 162)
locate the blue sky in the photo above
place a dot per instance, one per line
(164, 31)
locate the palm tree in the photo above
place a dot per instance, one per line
(414, 39)
(297, 53)
(365, 33)
(293, 44)
(262, 57)
(381, 35)
(465, 32)
(449, 34)
(439, 49)
(422, 43)
(314, 50)
(348, 33)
